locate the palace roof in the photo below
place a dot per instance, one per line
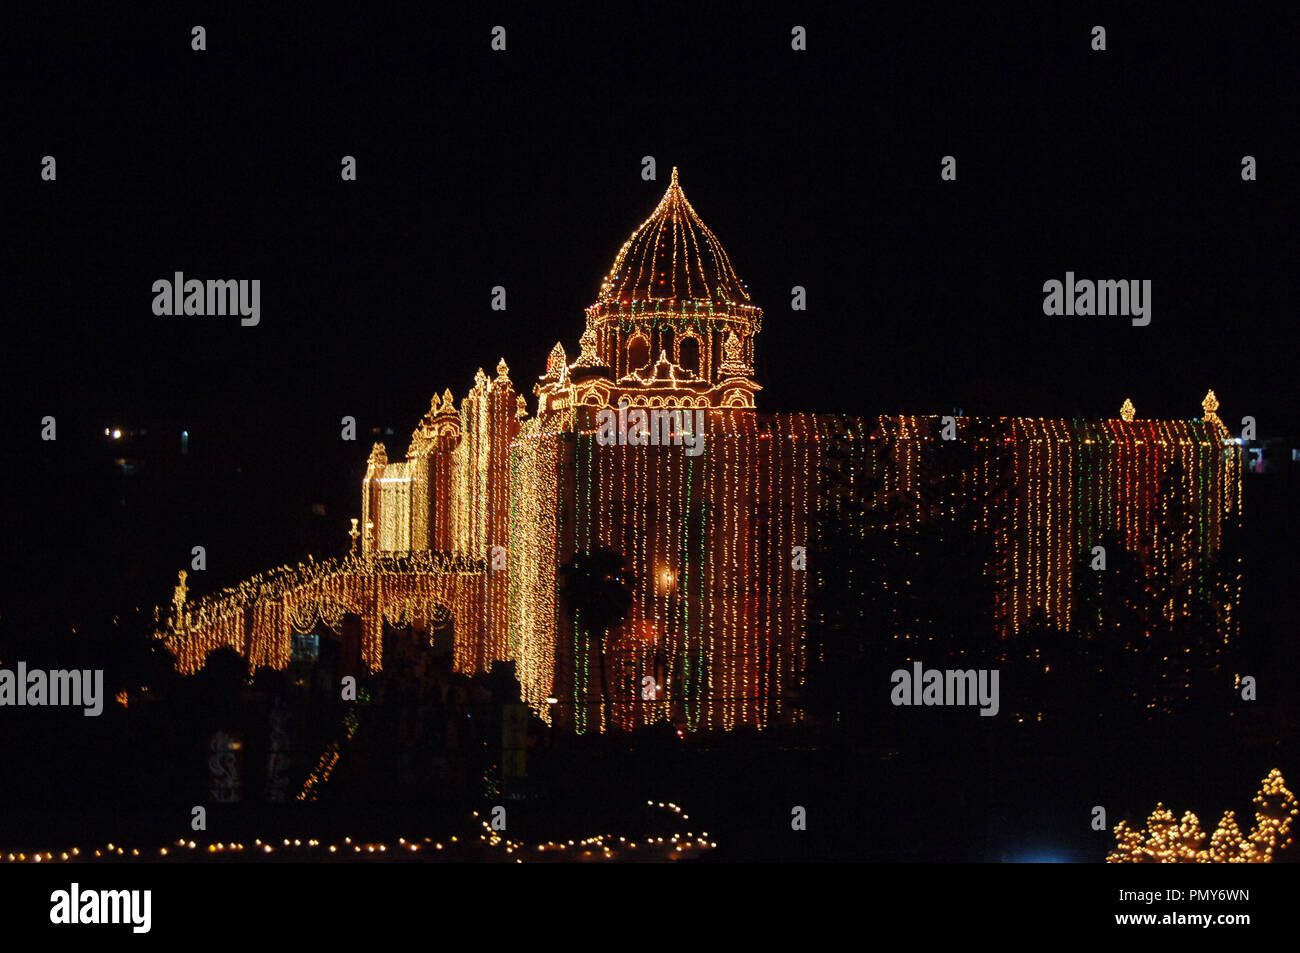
(671, 256)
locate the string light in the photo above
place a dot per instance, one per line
(473, 526)
(607, 844)
(1169, 841)
(259, 616)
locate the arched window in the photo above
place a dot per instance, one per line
(638, 353)
(666, 344)
(690, 351)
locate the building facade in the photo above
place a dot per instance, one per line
(648, 445)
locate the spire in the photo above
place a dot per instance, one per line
(181, 591)
(673, 258)
(556, 363)
(1210, 406)
(588, 356)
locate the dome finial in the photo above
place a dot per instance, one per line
(1210, 405)
(673, 258)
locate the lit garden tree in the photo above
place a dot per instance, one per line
(1167, 841)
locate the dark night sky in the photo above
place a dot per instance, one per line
(523, 169)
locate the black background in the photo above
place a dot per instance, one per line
(522, 169)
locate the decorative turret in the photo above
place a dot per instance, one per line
(179, 595)
(588, 358)
(439, 429)
(1210, 413)
(557, 364)
(671, 291)
(1210, 406)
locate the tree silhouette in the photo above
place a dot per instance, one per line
(221, 681)
(1113, 612)
(902, 568)
(598, 589)
(848, 628)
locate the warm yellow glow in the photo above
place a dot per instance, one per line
(472, 526)
(1168, 841)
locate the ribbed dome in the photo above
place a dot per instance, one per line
(673, 256)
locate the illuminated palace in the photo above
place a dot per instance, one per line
(491, 502)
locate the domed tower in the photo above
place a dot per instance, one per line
(673, 326)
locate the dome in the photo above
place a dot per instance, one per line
(673, 256)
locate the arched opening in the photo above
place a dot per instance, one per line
(690, 354)
(638, 353)
(666, 343)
